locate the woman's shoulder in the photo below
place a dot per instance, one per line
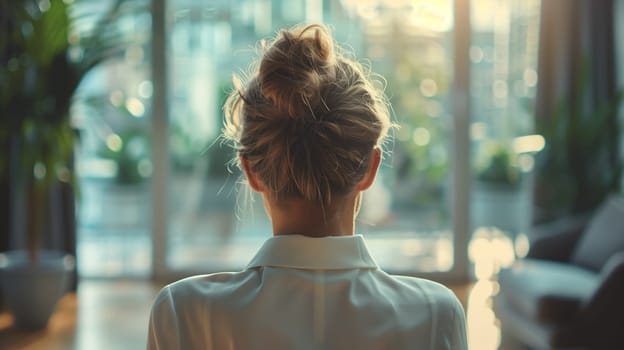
(429, 292)
(208, 287)
(446, 313)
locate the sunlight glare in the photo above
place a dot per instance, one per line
(528, 143)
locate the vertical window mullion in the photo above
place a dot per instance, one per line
(159, 139)
(460, 204)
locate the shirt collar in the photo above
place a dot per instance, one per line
(325, 253)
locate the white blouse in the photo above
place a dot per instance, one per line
(307, 293)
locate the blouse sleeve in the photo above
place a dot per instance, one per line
(163, 330)
(459, 338)
(449, 322)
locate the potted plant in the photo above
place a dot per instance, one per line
(43, 61)
(500, 198)
(581, 163)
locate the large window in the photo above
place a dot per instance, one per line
(197, 217)
(112, 111)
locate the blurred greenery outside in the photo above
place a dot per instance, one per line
(112, 105)
(418, 74)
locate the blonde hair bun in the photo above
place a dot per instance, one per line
(307, 118)
(294, 68)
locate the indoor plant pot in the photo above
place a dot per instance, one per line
(31, 291)
(501, 206)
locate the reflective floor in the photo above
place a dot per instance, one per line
(102, 315)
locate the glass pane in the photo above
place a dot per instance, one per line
(405, 215)
(504, 81)
(112, 113)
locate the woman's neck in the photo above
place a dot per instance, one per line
(296, 216)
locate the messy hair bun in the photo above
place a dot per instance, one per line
(294, 69)
(307, 119)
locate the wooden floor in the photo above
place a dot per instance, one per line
(114, 315)
(102, 315)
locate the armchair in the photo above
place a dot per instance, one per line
(568, 293)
